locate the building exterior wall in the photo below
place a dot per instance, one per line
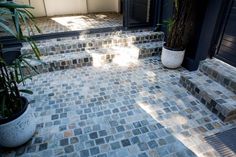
(103, 6)
(39, 9)
(65, 7)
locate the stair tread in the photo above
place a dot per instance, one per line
(11, 49)
(150, 44)
(222, 72)
(62, 57)
(116, 50)
(93, 33)
(82, 39)
(140, 46)
(101, 51)
(225, 99)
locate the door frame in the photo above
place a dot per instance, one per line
(226, 10)
(220, 29)
(155, 14)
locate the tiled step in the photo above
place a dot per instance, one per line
(61, 62)
(104, 40)
(214, 96)
(220, 72)
(98, 57)
(86, 34)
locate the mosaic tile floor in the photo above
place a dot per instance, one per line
(140, 110)
(78, 22)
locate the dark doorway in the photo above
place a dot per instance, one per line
(138, 13)
(226, 50)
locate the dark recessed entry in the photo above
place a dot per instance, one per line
(227, 41)
(138, 13)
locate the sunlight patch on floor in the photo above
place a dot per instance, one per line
(121, 56)
(173, 121)
(101, 16)
(125, 56)
(71, 22)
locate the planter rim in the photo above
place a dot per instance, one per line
(17, 115)
(172, 49)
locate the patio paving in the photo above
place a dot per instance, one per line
(77, 22)
(138, 110)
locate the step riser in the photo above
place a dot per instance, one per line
(78, 46)
(61, 65)
(195, 91)
(85, 35)
(207, 100)
(88, 61)
(228, 83)
(150, 52)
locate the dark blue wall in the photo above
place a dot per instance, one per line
(207, 20)
(210, 28)
(165, 13)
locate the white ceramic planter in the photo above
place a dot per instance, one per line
(172, 59)
(19, 130)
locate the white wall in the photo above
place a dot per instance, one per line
(38, 5)
(39, 9)
(22, 1)
(63, 7)
(117, 5)
(103, 6)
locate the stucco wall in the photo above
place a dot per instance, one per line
(103, 6)
(38, 5)
(39, 8)
(63, 7)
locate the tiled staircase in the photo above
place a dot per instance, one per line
(214, 84)
(96, 49)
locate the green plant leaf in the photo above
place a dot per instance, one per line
(15, 14)
(8, 29)
(19, 71)
(2, 61)
(29, 65)
(5, 12)
(3, 20)
(176, 2)
(34, 59)
(24, 19)
(3, 104)
(29, 13)
(169, 23)
(13, 5)
(35, 48)
(22, 77)
(16, 64)
(30, 18)
(25, 78)
(17, 25)
(26, 91)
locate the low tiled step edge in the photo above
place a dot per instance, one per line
(214, 96)
(220, 72)
(96, 57)
(85, 34)
(82, 44)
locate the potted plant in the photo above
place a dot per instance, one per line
(17, 122)
(178, 34)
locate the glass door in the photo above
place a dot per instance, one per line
(137, 13)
